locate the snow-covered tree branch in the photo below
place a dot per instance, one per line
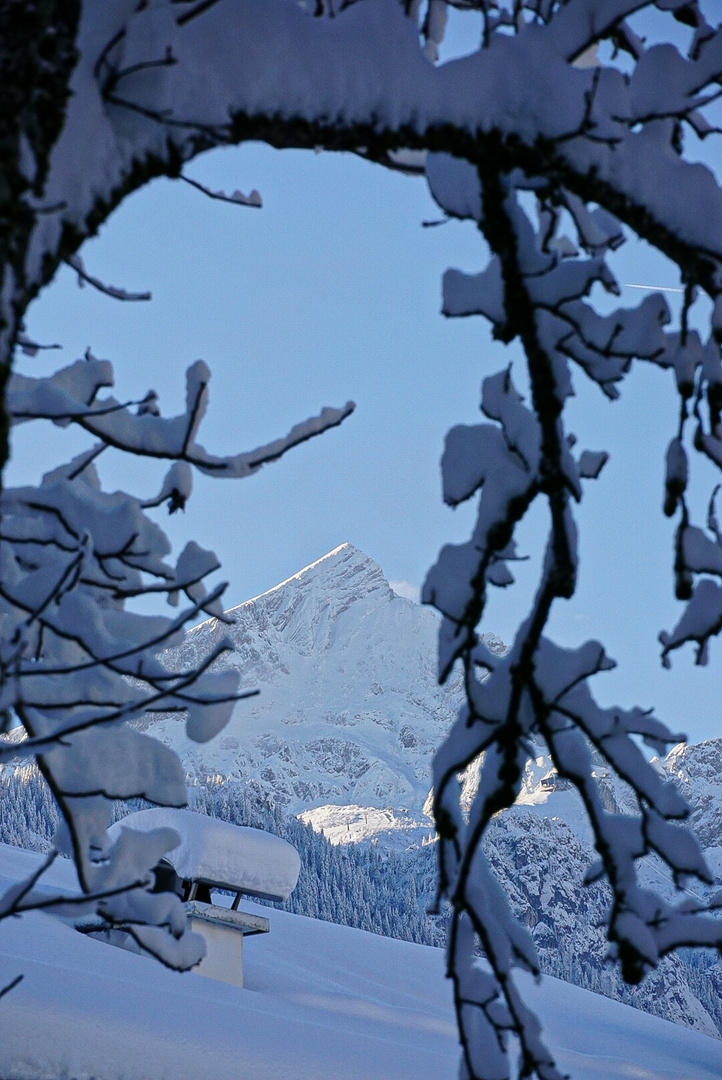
(562, 134)
(536, 287)
(76, 663)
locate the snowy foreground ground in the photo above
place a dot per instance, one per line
(321, 1002)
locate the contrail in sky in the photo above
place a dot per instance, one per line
(654, 288)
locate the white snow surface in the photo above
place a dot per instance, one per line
(350, 711)
(320, 1002)
(394, 827)
(230, 856)
(558, 801)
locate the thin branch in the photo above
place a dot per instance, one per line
(76, 263)
(199, 9)
(237, 198)
(32, 348)
(76, 899)
(30, 883)
(11, 985)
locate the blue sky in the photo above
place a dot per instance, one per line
(330, 292)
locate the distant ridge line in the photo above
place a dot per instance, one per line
(300, 573)
(345, 546)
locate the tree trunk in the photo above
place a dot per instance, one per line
(37, 57)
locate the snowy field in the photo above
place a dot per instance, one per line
(321, 1002)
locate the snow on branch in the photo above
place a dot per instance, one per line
(143, 99)
(145, 432)
(539, 286)
(237, 197)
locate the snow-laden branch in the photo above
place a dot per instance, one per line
(237, 197)
(538, 287)
(145, 432)
(76, 663)
(151, 90)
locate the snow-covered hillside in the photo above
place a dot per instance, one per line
(350, 710)
(320, 1002)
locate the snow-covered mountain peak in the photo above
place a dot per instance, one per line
(345, 570)
(298, 614)
(349, 711)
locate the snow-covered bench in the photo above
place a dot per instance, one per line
(214, 854)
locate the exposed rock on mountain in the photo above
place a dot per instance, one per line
(336, 753)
